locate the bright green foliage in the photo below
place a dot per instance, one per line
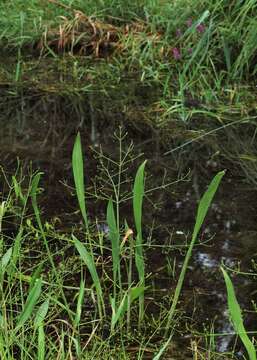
(205, 203)
(78, 173)
(138, 194)
(236, 316)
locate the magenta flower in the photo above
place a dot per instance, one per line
(189, 22)
(176, 53)
(190, 50)
(200, 28)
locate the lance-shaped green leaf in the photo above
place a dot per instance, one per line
(138, 194)
(78, 173)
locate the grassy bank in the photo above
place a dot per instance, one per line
(197, 57)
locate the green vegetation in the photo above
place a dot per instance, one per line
(180, 74)
(41, 299)
(195, 54)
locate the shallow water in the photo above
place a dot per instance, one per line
(229, 234)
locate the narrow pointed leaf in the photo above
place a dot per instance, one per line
(78, 173)
(205, 202)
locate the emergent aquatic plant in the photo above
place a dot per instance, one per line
(121, 301)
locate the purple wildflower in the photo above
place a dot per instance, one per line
(200, 28)
(178, 33)
(189, 22)
(190, 50)
(176, 53)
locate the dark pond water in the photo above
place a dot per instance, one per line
(43, 131)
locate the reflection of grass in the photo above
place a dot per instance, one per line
(66, 306)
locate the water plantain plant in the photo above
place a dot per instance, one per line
(121, 299)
